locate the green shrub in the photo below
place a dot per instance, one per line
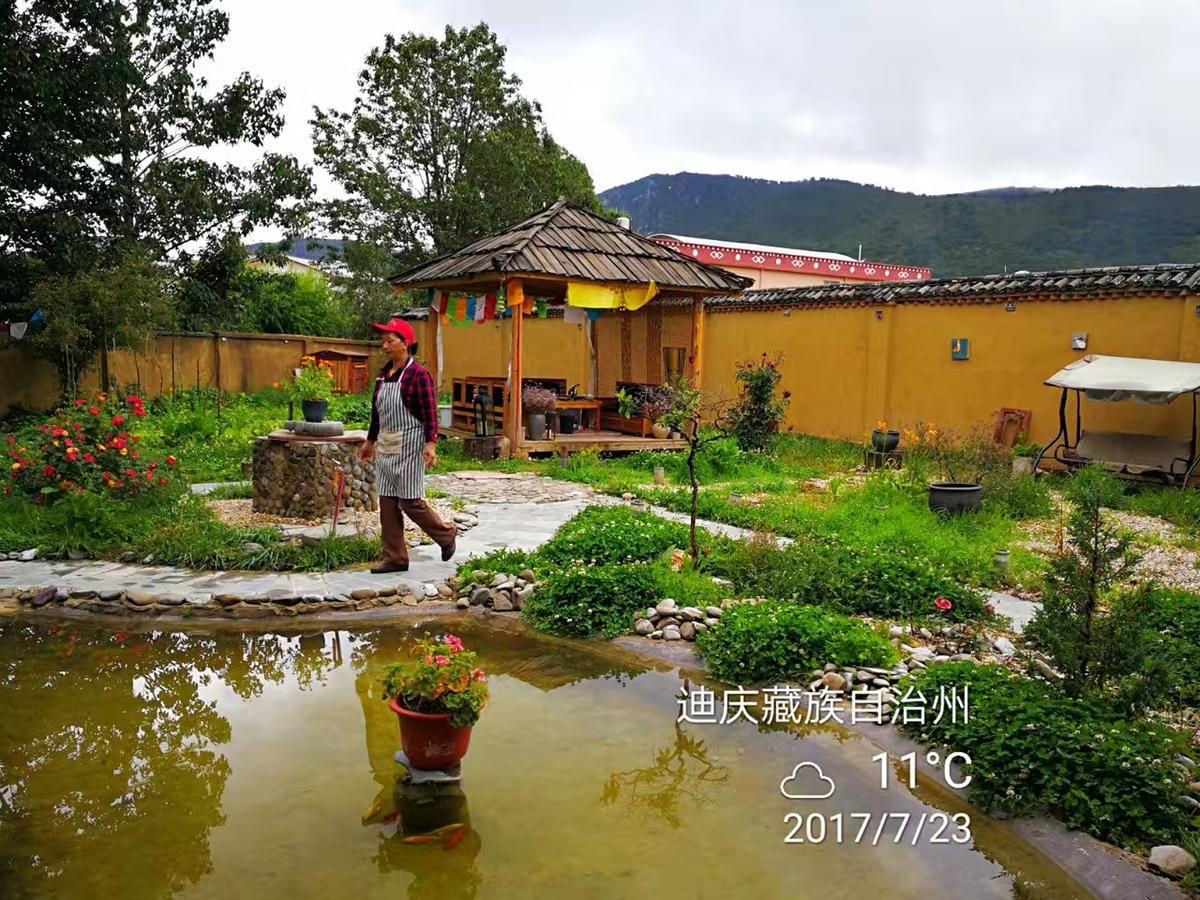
(688, 587)
(582, 600)
(1096, 631)
(612, 534)
(1034, 749)
(778, 641)
(508, 562)
(1174, 619)
(1022, 497)
(861, 580)
(755, 419)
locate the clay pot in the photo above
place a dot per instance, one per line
(429, 740)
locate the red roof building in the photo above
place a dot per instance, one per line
(776, 267)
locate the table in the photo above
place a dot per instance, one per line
(584, 405)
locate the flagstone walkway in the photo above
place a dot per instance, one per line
(521, 526)
(519, 512)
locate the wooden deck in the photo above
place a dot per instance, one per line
(613, 441)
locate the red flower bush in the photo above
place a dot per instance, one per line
(80, 449)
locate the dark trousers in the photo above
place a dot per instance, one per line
(392, 511)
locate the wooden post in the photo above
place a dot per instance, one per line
(512, 403)
(697, 348)
(433, 350)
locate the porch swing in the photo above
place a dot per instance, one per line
(1113, 379)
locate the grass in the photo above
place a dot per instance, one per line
(175, 529)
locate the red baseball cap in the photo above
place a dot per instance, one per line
(398, 327)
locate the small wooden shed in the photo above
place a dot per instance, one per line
(350, 374)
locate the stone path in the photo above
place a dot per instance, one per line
(206, 488)
(518, 511)
(1020, 611)
(522, 526)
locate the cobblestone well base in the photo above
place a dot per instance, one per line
(295, 478)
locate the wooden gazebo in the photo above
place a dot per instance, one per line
(565, 257)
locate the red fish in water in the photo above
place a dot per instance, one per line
(457, 838)
(432, 837)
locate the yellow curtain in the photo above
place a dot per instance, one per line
(598, 296)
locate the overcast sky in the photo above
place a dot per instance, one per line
(933, 96)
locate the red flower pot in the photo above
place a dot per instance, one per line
(429, 740)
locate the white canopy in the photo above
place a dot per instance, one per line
(1124, 378)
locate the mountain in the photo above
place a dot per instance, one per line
(315, 249)
(975, 233)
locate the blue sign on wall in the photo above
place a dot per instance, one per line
(960, 348)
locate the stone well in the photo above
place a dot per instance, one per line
(293, 475)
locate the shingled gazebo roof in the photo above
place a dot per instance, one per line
(564, 242)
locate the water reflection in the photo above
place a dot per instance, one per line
(682, 771)
(425, 829)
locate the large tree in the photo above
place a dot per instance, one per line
(440, 148)
(110, 144)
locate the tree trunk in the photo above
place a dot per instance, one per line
(104, 363)
(691, 465)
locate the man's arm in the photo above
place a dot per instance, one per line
(425, 404)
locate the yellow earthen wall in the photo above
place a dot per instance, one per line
(847, 368)
(235, 362)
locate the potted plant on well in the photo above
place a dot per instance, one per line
(445, 410)
(313, 386)
(438, 697)
(537, 401)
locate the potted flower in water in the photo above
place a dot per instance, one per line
(537, 401)
(313, 386)
(438, 698)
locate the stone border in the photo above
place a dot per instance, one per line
(142, 603)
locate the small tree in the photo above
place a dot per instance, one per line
(120, 306)
(686, 408)
(1096, 634)
(756, 417)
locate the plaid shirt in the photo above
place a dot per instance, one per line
(419, 395)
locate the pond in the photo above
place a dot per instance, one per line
(218, 764)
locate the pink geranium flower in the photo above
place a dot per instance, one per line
(943, 604)
(453, 642)
(442, 660)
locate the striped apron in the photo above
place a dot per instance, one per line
(400, 449)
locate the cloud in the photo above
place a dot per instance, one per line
(933, 96)
(806, 795)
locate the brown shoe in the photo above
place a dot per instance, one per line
(448, 552)
(385, 567)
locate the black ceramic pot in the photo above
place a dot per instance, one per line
(953, 499)
(314, 410)
(884, 441)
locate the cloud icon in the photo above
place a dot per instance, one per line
(795, 792)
